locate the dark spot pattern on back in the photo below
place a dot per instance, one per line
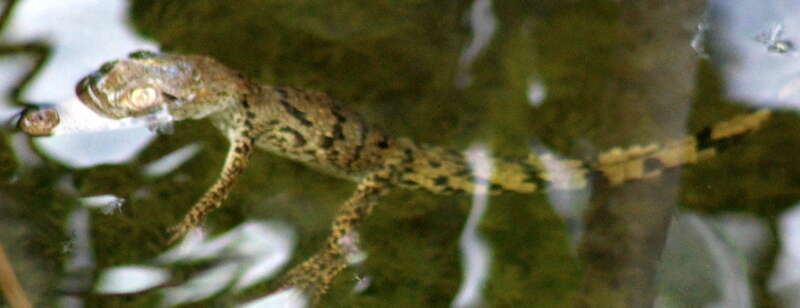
(704, 139)
(363, 130)
(652, 164)
(299, 140)
(291, 109)
(326, 143)
(383, 144)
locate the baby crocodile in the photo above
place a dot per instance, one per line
(309, 127)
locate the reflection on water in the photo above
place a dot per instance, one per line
(80, 261)
(130, 279)
(476, 253)
(775, 41)
(786, 281)
(171, 161)
(290, 298)
(705, 254)
(700, 39)
(537, 91)
(508, 75)
(108, 204)
(753, 47)
(483, 24)
(76, 50)
(248, 254)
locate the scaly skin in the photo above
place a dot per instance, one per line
(309, 127)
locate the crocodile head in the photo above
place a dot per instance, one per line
(186, 86)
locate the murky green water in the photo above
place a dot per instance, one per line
(614, 75)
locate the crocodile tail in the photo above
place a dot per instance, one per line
(619, 165)
(441, 171)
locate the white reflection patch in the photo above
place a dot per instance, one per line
(475, 252)
(702, 265)
(537, 91)
(202, 286)
(568, 204)
(90, 149)
(130, 279)
(80, 261)
(259, 250)
(754, 49)
(291, 298)
(171, 161)
(785, 279)
(790, 91)
(483, 24)
(108, 204)
(700, 38)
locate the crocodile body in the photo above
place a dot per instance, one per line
(311, 128)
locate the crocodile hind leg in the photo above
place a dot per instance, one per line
(315, 275)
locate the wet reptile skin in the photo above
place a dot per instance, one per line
(311, 128)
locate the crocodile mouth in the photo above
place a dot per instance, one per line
(90, 96)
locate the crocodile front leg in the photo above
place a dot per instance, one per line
(239, 152)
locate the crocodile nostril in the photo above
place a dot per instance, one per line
(94, 78)
(142, 54)
(80, 88)
(107, 67)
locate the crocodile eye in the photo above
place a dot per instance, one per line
(143, 97)
(142, 54)
(169, 97)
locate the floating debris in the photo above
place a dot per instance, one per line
(774, 41)
(699, 40)
(108, 204)
(537, 92)
(39, 122)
